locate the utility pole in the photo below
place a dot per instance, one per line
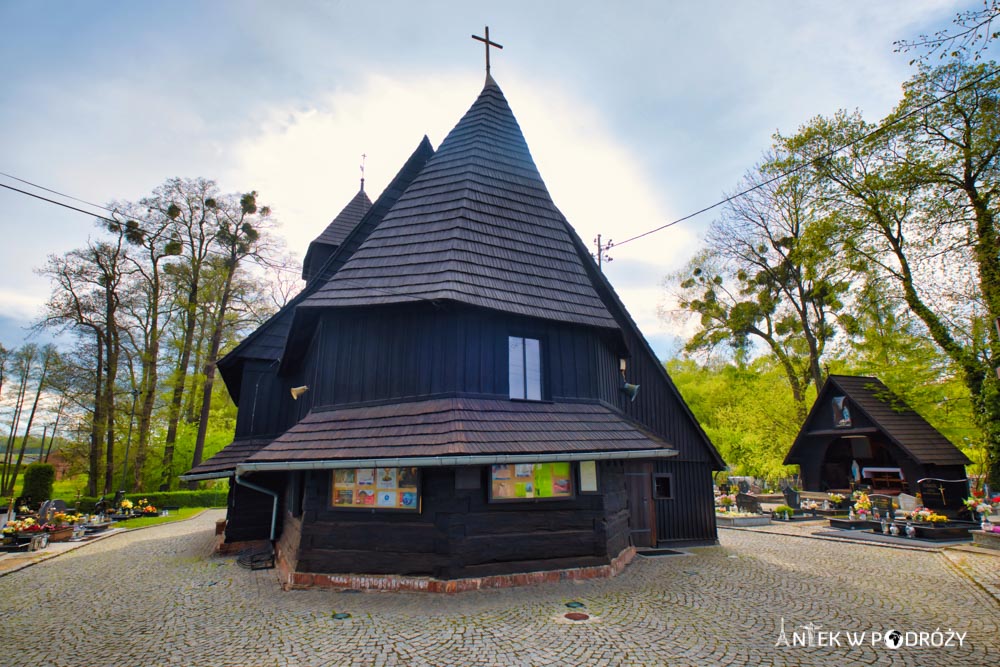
(603, 252)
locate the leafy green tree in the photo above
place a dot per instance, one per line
(769, 274)
(239, 237)
(918, 208)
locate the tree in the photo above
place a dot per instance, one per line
(917, 204)
(769, 273)
(155, 238)
(191, 204)
(973, 31)
(239, 237)
(85, 298)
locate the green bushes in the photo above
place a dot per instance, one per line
(38, 479)
(205, 498)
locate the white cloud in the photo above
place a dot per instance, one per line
(305, 161)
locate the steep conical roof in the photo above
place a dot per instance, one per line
(477, 226)
(330, 238)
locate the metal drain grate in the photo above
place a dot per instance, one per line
(660, 552)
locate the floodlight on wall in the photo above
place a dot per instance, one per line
(298, 391)
(622, 364)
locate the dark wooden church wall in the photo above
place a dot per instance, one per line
(690, 515)
(658, 407)
(380, 354)
(249, 512)
(458, 533)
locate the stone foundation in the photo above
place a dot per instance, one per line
(291, 580)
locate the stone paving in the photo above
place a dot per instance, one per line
(159, 597)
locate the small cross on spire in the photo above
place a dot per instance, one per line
(488, 43)
(364, 156)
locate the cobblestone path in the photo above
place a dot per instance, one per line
(158, 597)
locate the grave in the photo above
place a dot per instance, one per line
(881, 506)
(792, 498)
(946, 497)
(747, 503)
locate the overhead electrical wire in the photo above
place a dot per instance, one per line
(819, 158)
(785, 174)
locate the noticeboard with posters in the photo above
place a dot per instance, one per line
(376, 488)
(531, 481)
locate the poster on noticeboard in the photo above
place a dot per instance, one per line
(376, 488)
(531, 481)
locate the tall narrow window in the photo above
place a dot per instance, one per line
(525, 368)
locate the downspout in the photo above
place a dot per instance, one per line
(273, 494)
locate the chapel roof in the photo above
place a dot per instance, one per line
(477, 226)
(886, 412)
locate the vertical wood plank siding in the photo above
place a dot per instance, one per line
(458, 533)
(690, 515)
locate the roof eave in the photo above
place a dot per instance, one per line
(452, 460)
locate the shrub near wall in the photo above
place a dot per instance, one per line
(158, 499)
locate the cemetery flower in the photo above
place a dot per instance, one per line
(23, 509)
(726, 500)
(863, 503)
(149, 509)
(926, 515)
(835, 498)
(126, 504)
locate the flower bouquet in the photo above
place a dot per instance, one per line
(922, 514)
(862, 504)
(727, 500)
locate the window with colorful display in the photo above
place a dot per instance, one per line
(376, 488)
(530, 481)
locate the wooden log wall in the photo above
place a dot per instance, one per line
(458, 533)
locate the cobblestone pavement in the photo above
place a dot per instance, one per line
(159, 597)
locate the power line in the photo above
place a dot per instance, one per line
(819, 158)
(210, 252)
(56, 192)
(59, 203)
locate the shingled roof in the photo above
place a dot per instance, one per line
(888, 413)
(458, 427)
(267, 342)
(477, 226)
(330, 238)
(224, 462)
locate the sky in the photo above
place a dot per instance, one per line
(636, 113)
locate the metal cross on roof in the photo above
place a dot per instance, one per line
(488, 43)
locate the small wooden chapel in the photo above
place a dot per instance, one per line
(859, 432)
(452, 396)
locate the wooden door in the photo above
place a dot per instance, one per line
(639, 486)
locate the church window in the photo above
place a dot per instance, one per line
(525, 368)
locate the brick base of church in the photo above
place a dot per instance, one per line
(291, 580)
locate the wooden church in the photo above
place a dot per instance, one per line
(446, 399)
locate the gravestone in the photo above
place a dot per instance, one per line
(724, 488)
(946, 496)
(747, 503)
(881, 506)
(792, 498)
(744, 486)
(907, 503)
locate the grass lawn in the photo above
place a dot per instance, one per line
(176, 515)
